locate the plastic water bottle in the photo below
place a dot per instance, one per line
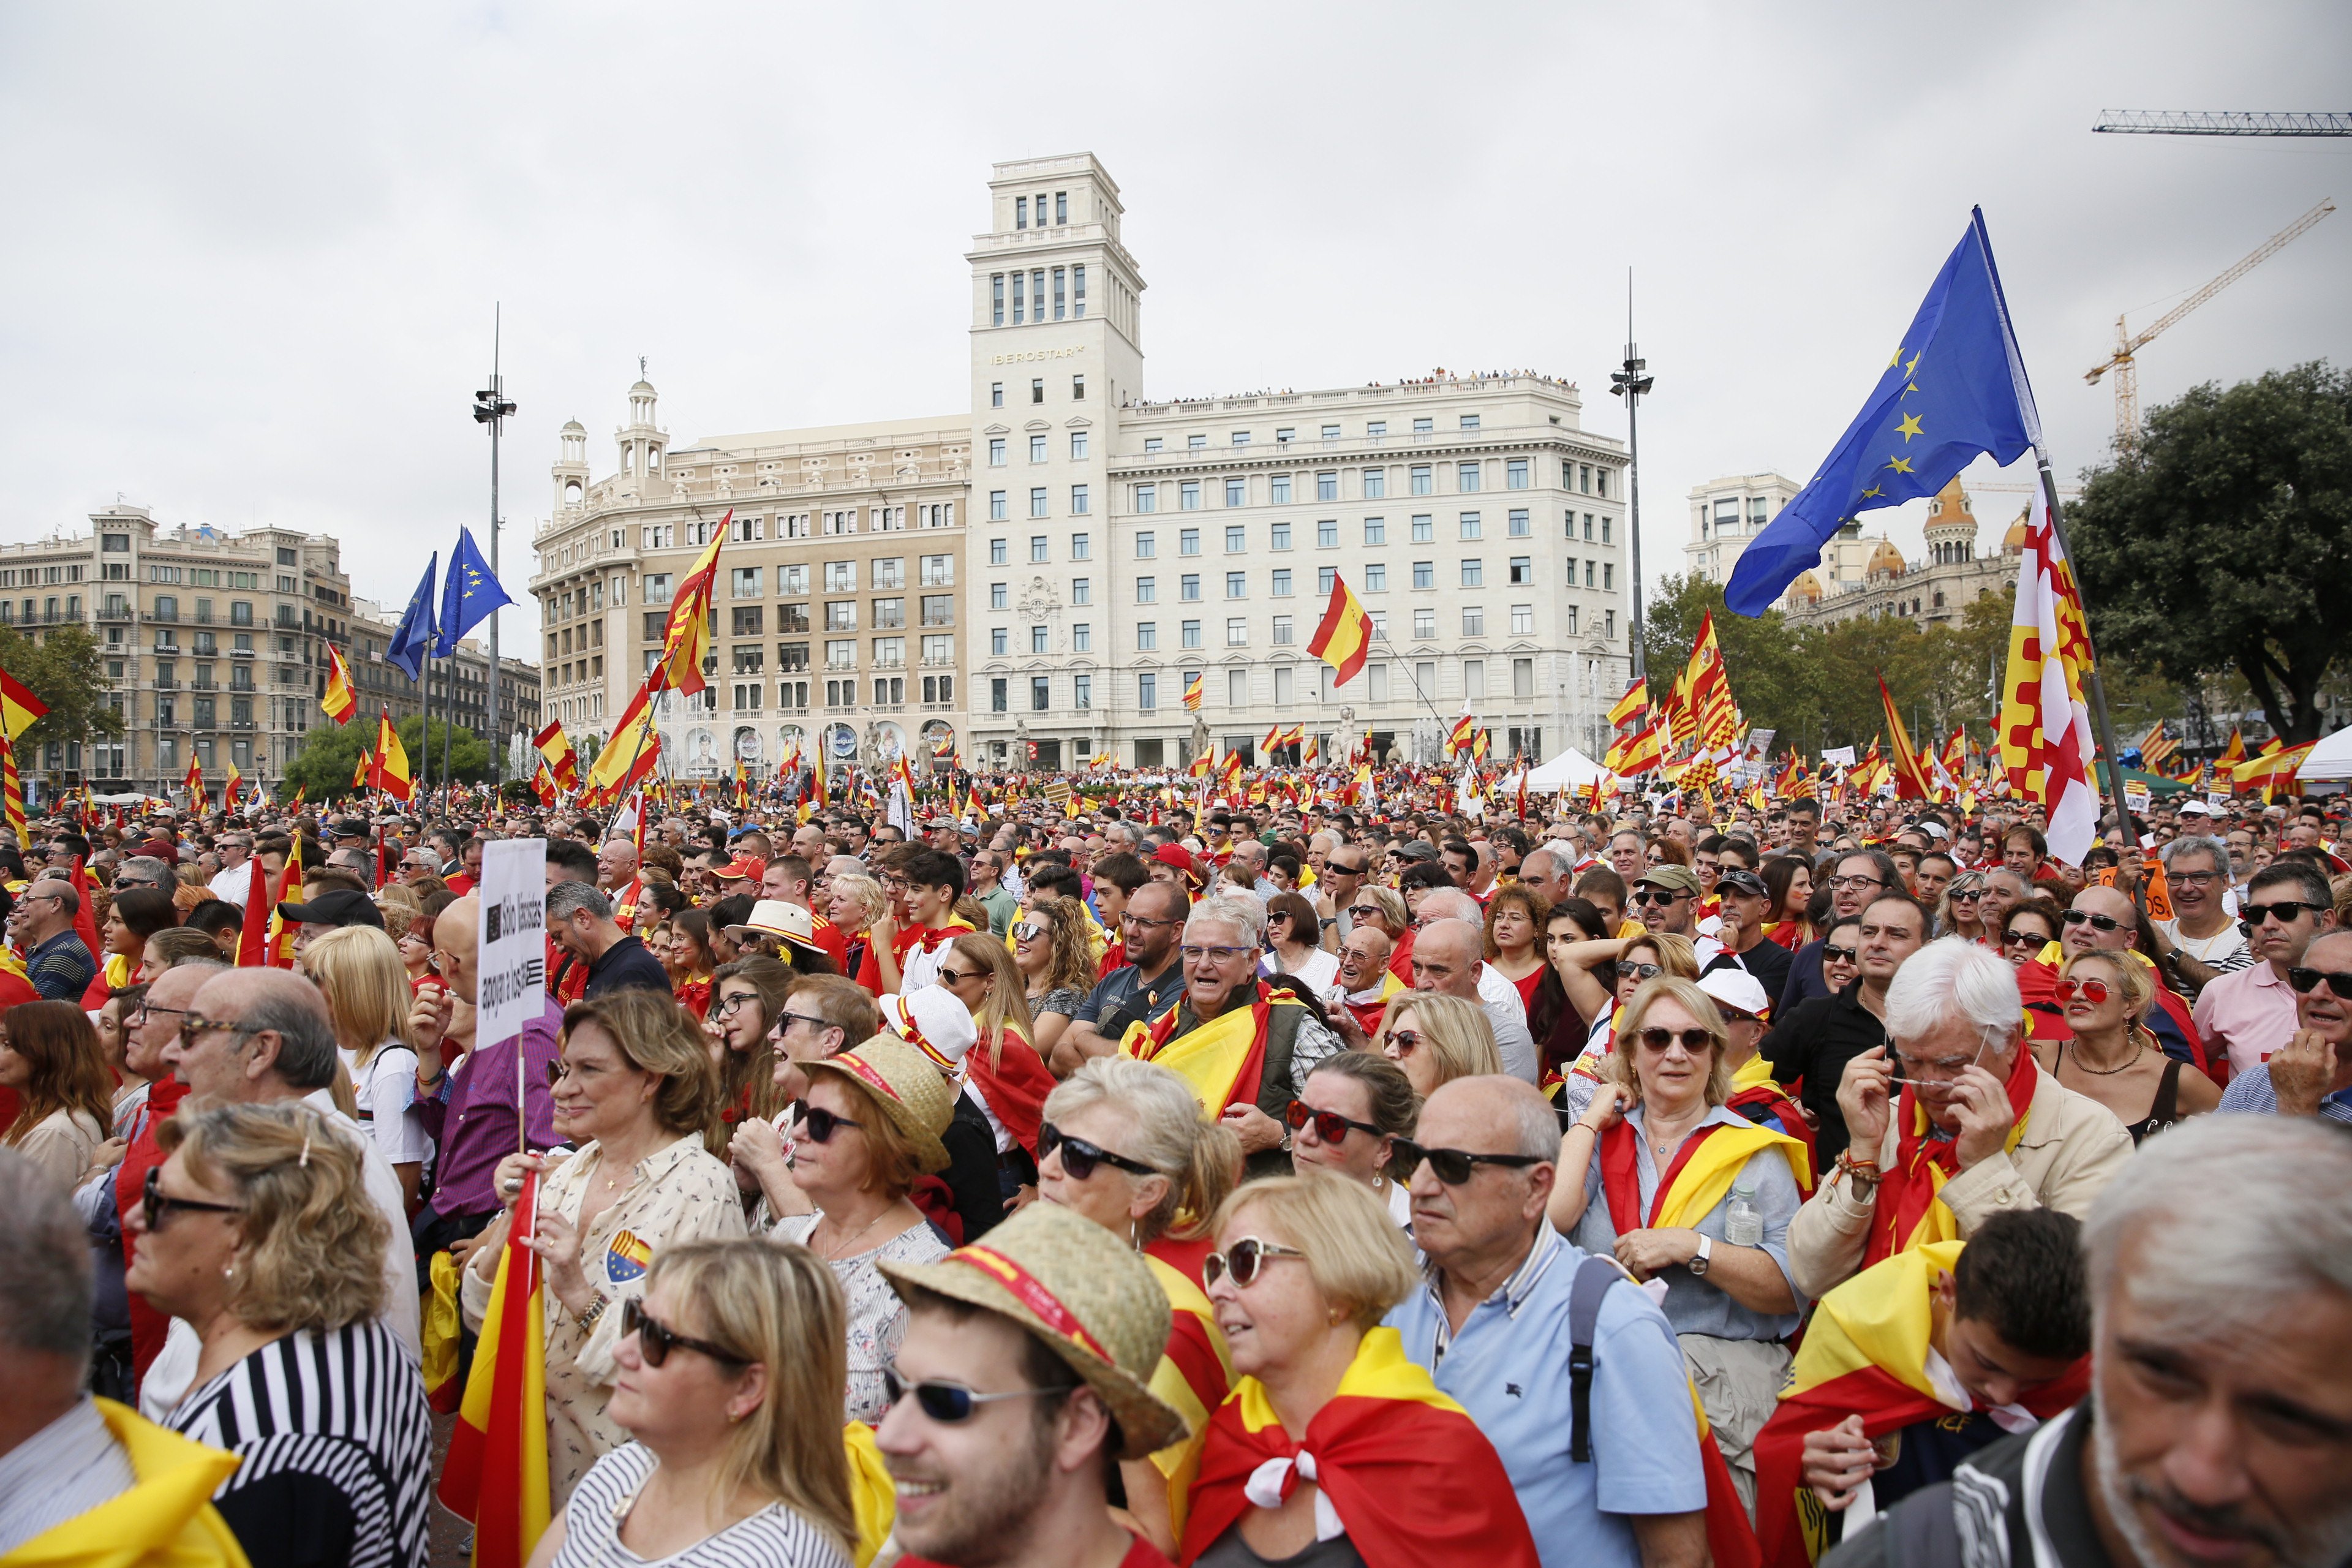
(1743, 1224)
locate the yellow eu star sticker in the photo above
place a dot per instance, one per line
(1909, 427)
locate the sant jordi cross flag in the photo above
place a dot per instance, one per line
(1954, 389)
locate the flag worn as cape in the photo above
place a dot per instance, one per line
(1195, 1374)
(1223, 1058)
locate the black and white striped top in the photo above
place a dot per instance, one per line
(775, 1536)
(337, 1442)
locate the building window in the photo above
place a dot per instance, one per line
(1241, 438)
(1188, 634)
(1376, 531)
(1471, 528)
(1281, 588)
(1147, 497)
(1041, 693)
(1604, 530)
(1061, 299)
(1608, 576)
(1465, 478)
(1082, 639)
(1474, 679)
(1236, 492)
(1188, 542)
(889, 613)
(1473, 573)
(1147, 692)
(1278, 489)
(1146, 545)
(1326, 487)
(1425, 623)
(1082, 590)
(1282, 629)
(1037, 387)
(1081, 547)
(996, 506)
(1188, 587)
(1424, 573)
(1325, 576)
(938, 571)
(1147, 590)
(1021, 213)
(1037, 501)
(1236, 585)
(1079, 383)
(1515, 474)
(1326, 533)
(1237, 688)
(1079, 506)
(1188, 494)
(1152, 444)
(841, 653)
(996, 694)
(1609, 620)
(939, 650)
(1040, 548)
(1236, 541)
(1036, 449)
(1078, 446)
(1376, 577)
(996, 388)
(841, 615)
(1474, 620)
(1523, 571)
(996, 451)
(1519, 526)
(1196, 443)
(1424, 481)
(1147, 638)
(1523, 620)
(1237, 632)
(1037, 641)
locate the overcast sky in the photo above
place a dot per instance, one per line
(252, 251)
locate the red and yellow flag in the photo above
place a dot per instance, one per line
(1192, 693)
(195, 782)
(1910, 778)
(1459, 738)
(19, 706)
(389, 771)
(685, 635)
(556, 747)
(496, 1475)
(231, 791)
(630, 757)
(253, 937)
(341, 700)
(1343, 638)
(11, 790)
(542, 784)
(1633, 705)
(364, 771)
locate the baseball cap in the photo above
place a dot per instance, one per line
(335, 907)
(1680, 879)
(2195, 808)
(1737, 989)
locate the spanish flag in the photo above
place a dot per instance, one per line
(233, 789)
(19, 706)
(260, 910)
(685, 635)
(341, 701)
(496, 1477)
(1343, 640)
(631, 755)
(390, 771)
(1410, 1474)
(195, 782)
(1466, 729)
(1910, 778)
(556, 747)
(1222, 1059)
(364, 771)
(1192, 693)
(1864, 1353)
(1633, 705)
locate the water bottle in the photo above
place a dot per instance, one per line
(1743, 1224)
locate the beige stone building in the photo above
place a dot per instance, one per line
(1726, 513)
(1870, 577)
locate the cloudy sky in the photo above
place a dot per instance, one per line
(252, 250)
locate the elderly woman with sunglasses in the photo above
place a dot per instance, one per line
(636, 1096)
(729, 1371)
(1349, 1120)
(1124, 1144)
(1294, 942)
(1335, 1449)
(2113, 1057)
(1435, 1038)
(1683, 1188)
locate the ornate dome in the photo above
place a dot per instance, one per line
(1805, 590)
(2013, 541)
(1885, 559)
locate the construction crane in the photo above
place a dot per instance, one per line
(2219, 123)
(2128, 344)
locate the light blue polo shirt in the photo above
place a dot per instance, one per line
(1508, 1368)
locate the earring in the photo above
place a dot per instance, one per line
(228, 1271)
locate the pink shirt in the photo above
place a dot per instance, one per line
(2249, 1014)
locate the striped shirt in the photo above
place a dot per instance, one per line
(775, 1536)
(337, 1442)
(60, 1472)
(2251, 1094)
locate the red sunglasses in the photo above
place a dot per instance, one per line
(2095, 992)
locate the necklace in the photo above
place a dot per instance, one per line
(839, 1252)
(2139, 1048)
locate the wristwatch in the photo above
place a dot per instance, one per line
(1706, 1249)
(595, 1310)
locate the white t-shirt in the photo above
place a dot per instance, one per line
(1317, 974)
(1505, 1012)
(231, 886)
(386, 1091)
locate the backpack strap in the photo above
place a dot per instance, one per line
(1594, 1278)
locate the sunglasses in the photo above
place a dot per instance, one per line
(1832, 954)
(818, 1124)
(1693, 1040)
(1330, 1126)
(195, 1026)
(1079, 1157)
(2336, 980)
(2095, 992)
(2099, 922)
(1627, 969)
(2285, 911)
(1244, 1260)
(949, 1404)
(1971, 896)
(160, 1207)
(1658, 896)
(2023, 939)
(1029, 931)
(1406, 1041)
(957, 976)
(656, 1340)
(1364, 911)
(1455, 1167)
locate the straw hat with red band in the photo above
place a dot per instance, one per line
(910, 1090)
(1092, 1300)
(934, 1021)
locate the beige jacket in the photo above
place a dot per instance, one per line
(2071, 1148)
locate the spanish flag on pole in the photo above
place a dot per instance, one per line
(497, 1474)
(341, 701)
(563, 762)
(1344, 637)
(685, 635)
(629, 758)
(19, 706)
(1910, 778)
(1633, 705)
(364, 770)
(11, 790)
(390, 771)
(1192, 692)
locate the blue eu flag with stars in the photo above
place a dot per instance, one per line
(469, 594)
(412, 640)
(1954, 388)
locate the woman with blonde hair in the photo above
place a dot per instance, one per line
(731, 1371)
(257, 1231)
(1328, 1422)
(1054, 951)
(855, 903)
(1437, 1038)
(359, 971)
(2113, 1057)
(1125, 1146)
(1691, 1192)
(1007, 1072)
(50, 1055)
(636, 1096)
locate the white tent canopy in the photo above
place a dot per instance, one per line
(1570, 770)
(2331, 759)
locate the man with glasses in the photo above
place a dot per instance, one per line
(1360, 996)
(1857, 877)
(153, 1028)
(1024, 1375)
(57, 960)
(2310, 1075)
(1492, 1326)
(235, 848)
(1140, 992)
(1997, 1131)
(988, 888)
(2201, 943)
(1817, 1040)
(1336, 881)
(1665, 899)
(2252, 1013)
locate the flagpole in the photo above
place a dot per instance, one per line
(2114, 790)
(491, 407)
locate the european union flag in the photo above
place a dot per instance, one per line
(412, 640)
(469, 594)
(1956, 387)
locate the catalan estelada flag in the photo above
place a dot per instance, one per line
(341, 700)
(497, 1474)
(1864, 1353)
(1343, 640)
(389, 771)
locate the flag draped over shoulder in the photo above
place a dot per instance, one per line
(1343, 638)
(1954, 389)
(496, 1477)
(2045, 723)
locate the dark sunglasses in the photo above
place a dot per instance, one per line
(1658, 896)
(1330, 1125)
(1406, 1041)
(195, 1026)
(1839, 955)
(1455, 1167)
(656, 1339)
(2338, 981)
(1079, 1157)
(1627, 970)
(1244, 1260)
(159, 1207)
(818, 1124)
(1693, 1040)
(2099, 922)
(2285, 911)
(957, 976)
(2024, 939)
(949, 1403)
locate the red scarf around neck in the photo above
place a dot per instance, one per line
(1907, 1193)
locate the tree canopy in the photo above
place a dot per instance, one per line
(332, 752)
(63, 670)
(2222, 544)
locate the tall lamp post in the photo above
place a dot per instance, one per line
(1631, 384)
(491, 409)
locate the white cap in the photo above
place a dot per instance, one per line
(2195, 808)
(934, 1021)
(1736, 989)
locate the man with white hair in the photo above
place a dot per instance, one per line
(1979, 1127)
(1551, 872)
(2219, 1427)
(1457, 965)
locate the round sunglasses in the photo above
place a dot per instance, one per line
(656, 1339)
(1244, 1260)
(2095, 992)
(1079, 1157)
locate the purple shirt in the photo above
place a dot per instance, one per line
(472, 1119)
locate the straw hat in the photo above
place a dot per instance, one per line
(910, 1090)
(786, 923)
(1076, 1286)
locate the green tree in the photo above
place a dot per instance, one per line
(2222, 544)
(63, 670)
(330, 754)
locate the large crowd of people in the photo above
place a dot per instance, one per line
(1840, 1181)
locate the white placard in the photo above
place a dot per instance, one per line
(1842, 755)
(2136, 797)
(512, 932)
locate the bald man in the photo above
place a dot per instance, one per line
(618, 880)
(1457, 965)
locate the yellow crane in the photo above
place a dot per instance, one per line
(2128, 344)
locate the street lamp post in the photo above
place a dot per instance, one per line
(491, 407)
(1631, 383)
